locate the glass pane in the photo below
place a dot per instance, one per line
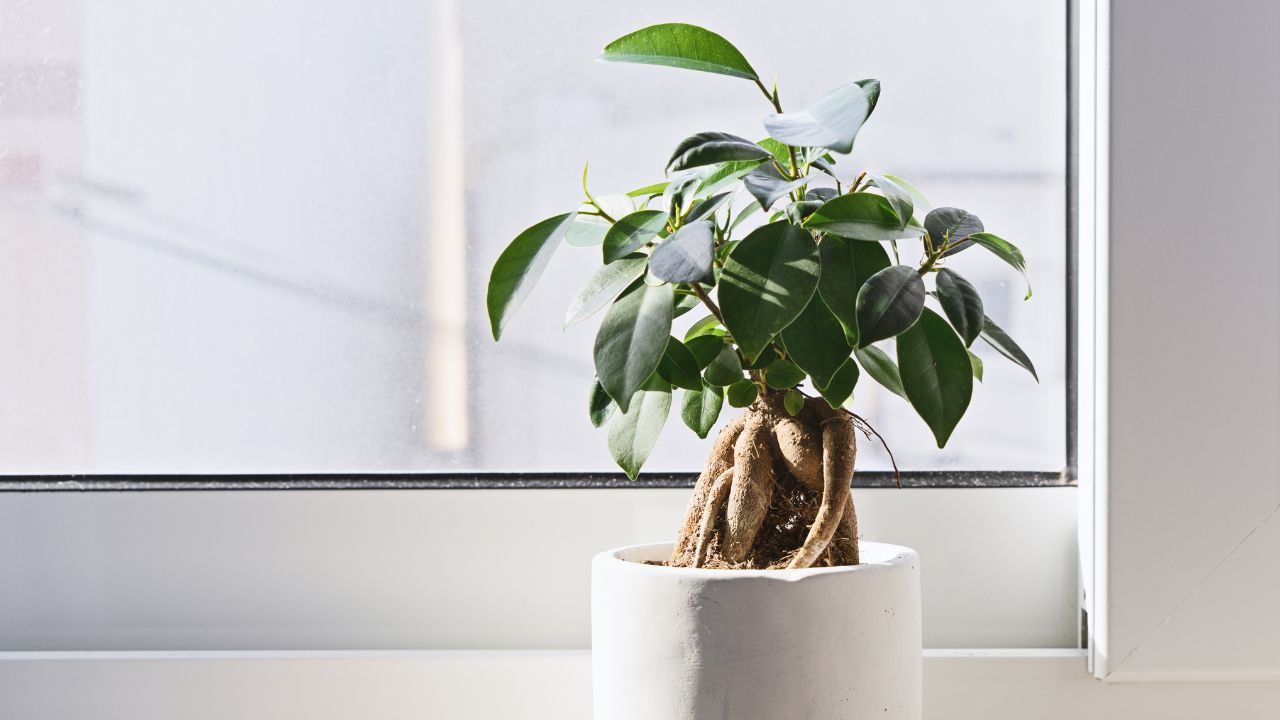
(255, 237)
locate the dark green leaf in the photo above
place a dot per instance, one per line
(861, 216)
(766, 184)
(897, 196)
(998, 339)
(709, 148)
(685, 257)
(831, 121)
(781, 375)
(685, 303)
(798, 211)
(767, 280)
(763, 360)
(846, 267)
(815, 341)
(951, 225)
(601, 406)
(889, 303)
(679, 367)
(604, 286)
(881, 368)
(634, 432)
(820, 194)
(840, 389)
(707, 207)
(519, 267)
(678, 45)
(793, 401)
(701, 408)
(742, 393)
(725, 369)
(705, 348)
(632, 232)
(1006, 251)
(678, 198)
(961, 303)
(936, 373)
(632, 339)
(976, 362)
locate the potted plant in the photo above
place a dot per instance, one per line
(766, 605)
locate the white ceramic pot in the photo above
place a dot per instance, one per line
(691, 644)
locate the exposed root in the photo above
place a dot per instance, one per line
(838, 454)
(718, 493)
(721, 459)
(752, 490)
(801, 450)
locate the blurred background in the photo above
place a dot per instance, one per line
(255, 237)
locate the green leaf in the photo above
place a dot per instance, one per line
(679, 367)
(678, 198)
(678, 45)
(743, 214)
(519, 267)
(831, 121)
(766, 282)
(1006, 251)
(793, 401)
(919, 202)
(936, 373)
(961, 303)
(815, 341)
(684, 303)
(725, 369)
(699, 409)
(951, 225)
(724, 175)
(601, 406)
(742, 393)
(632, 340)
(587, 231)
(798, 211)
(685, 257)
(707, 208)
(846, 267)
(634, 432)
(897, 196)
(709, 148)
(604, 286)
(709, 325)
(781, 375)
(976, 363)
(649, 190)
(889, 303)
(998, 339)
(840, 389)
(881, 368)
(705, 348)
(821, 194)
(763, 360)
(861, 216)
(767, 185)
(632, 232)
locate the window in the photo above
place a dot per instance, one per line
(257, 240)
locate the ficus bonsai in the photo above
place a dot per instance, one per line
(800, 302)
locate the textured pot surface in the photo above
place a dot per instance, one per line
(820, 644)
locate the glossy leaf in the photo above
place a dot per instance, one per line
(976, 363)
(723, 176)
(685, 257)
(798, 211)
(634, 432)
(708, 148)
(725, 369)
(699, 409)
(705, 348)
(708, 325)
(743, 214)
(742, 393)
(767, 185)
(897, 196)
(793, 402)
(707, 207)
(846, 267)
(816, 342)
(831, 121)
(1006, 251)
(961, 303)
(781, 375)
(649, 190)
(881, 368)
(632, 232)
(678, 45)
(766, 282)
(861, 216)
(679, 367)
(838, 391)
(632, 340)
(763, 360)
(519, 267)
(685, 303)
(919, 202)
(601, 406)
(936, 374)
(1000, 340)
(678, 198)
(605, 285)
(889, 303)
(821, 194)
(951, 225)
(587, 231)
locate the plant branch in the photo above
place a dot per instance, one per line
(706, 300)
(591, 199)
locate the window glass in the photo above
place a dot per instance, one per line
(255, 237)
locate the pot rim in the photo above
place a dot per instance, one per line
(878, 558)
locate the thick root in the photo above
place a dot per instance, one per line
(721, 459)
(751, 491)
(801, 450)
(716, 497)
(845, 544)
(839, 451)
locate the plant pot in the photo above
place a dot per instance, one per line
(840, 643)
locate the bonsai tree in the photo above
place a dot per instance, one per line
(796, 311)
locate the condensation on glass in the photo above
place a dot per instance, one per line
(254, 237)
